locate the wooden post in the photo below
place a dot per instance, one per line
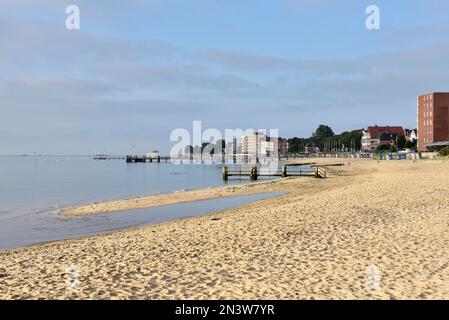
(284, 171)
(224, 173)
(316, 173)
(253, 173)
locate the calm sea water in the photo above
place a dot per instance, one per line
(31, 184)
(34, 190)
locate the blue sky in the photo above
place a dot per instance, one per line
(138, 69)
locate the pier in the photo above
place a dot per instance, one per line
(132, 158)
(136, 159)
(254, 173)
(108, 157)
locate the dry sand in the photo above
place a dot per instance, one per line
(371, 230)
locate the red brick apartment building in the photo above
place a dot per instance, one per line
(433, 118)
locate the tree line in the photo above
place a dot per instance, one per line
(325, 139)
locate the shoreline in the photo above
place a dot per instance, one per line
(105, 232)
(157, 200)
(150, 201)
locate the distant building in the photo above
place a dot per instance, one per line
(309, 149)
(239, 146)
(153, 154)
(376, 136)
(266, 148)
(252, 144)
(282, 145)
(231, 147)
(411, 135)
(259, 144)
(433, 118)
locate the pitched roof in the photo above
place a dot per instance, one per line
(376, 130)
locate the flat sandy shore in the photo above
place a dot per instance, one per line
(371, 230)
(170, 198)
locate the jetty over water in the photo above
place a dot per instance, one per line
(131, 158)
(134, 159)
(108, 157)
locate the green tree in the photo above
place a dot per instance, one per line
(220, 146)
(383, 147)
(188, 149)
(444, 152)
(323, 131)
(296, 144)
(351, 140)
(410, 144)
(400, 141)
(392, 148)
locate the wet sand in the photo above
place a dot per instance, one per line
(372, 230)
(168, 199)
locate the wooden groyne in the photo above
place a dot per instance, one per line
(254, 173)
(331, 165)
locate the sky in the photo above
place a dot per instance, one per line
(136, 70)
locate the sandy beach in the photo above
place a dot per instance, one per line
(170, 198)
(371, 230)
